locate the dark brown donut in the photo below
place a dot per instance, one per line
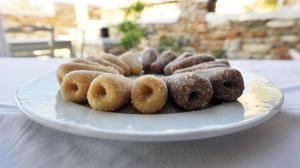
(158, 65)
(206, 65)
(180, 57)
(227, 83)
(190, 61)
(148, 56)
(189, 91)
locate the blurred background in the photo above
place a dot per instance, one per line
(234, 29)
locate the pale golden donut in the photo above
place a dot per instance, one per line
(75, 85)
(84, 61)
(133, 62)
(149, 94)
(101, 61)
(109, 92)
(115, 60)
(63, 69)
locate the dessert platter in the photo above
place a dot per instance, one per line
(149, 97)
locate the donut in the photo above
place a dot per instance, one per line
(149, 94)
(227, 83)
(168, 66)
(63, 69)
(222, 61)
(206, 65)
(75, 85)
(101, 61)
(84, 61)
(109, 92)
(158, 65)
(115, 60)
(132, 61)
(189, 91)
(190, 61)
(148, 56)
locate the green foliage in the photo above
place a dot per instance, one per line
(132, 32)
(135, 9)
(171, 43)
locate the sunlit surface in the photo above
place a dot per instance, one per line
(244, 6)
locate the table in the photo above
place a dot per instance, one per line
(23, 143)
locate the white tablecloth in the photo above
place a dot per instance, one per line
(275, 143)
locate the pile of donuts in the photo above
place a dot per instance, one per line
(192, 81)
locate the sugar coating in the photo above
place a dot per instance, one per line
(148, 56)
(182, 56)
(158, 65)
(63, 69)
(228, 83)
(101, 61)
(109, 92)
(190, 61)
(115, 60)
(222, 61)
(132, 61)
(206, 65)
(189, 91)
(149, 94)
(75, 85)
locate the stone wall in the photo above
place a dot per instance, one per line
(268, 38)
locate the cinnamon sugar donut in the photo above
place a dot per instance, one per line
(190, 61)
(189, 91)
(180, 57)
(206, 65)
(149, 94)
(63, 69)
(222, 61)
(109, 92)
(148, 56)
(133, 62)
(158, 65)
(75, 85)
(227, 82)
(101, 61)
(115, 60)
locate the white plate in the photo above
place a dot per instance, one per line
(41, 101)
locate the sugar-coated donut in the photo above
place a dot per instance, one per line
(158, 65)
(206, 65)
(133, 62)
(101, 61)
(148, 56)
(182, 56)
(115, 60)
(63, 69)
(222, 61)
(190, 61)
(75, 85)
(109, 92)
(149, 94)
(189, 91)
(228, 83)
